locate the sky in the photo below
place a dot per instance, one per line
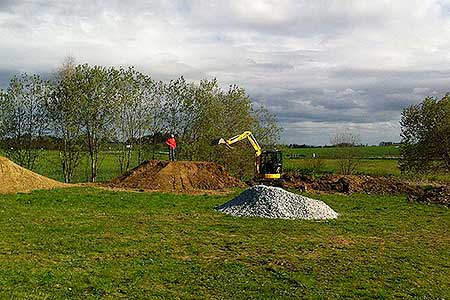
(322, 67)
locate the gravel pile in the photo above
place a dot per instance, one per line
(276, 203)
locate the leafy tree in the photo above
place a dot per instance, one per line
(425, 131)
(24, 117)
(95, 91)
(132, 113)
(4, 108)
(266, 127)
(64, 112)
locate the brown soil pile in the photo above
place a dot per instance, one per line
(14, 179)
(431, 194)
(181, 176)
(351, 184)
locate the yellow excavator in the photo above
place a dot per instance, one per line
(268, 163)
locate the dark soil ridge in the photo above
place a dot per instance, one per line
(349, 184)
(181, 176)
(432, 195)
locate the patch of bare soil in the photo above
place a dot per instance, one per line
(178, 176)
(15, 179)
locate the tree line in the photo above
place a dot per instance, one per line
(86, 108)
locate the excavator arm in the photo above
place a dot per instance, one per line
(268, 165)
(245, 135)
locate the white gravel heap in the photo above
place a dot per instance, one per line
(276, 203)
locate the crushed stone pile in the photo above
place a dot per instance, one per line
(182, 176)
(16, 179)
(276, 203)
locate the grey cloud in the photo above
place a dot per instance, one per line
(268, 67)
(7, 5)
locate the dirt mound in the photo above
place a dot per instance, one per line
(351, 184)
(431, 194)
(182, 176)
(14, 179)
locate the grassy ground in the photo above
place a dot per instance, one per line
(92, 244)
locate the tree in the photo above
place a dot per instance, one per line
(24, 117)
(64, 112)
(266, 127)
(425, 132)
(4, 108)
(347, 153)
(95, 91)
(66, 69)
(132, 114)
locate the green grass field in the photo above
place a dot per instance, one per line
(96, 244)
(378, 167)
(366, 152)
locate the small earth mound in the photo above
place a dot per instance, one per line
(182, 176)
(431, 194)
(276, 203)
(16, 179)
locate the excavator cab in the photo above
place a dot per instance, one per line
(270, 166)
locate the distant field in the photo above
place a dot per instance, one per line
(372, 152)
(97, 244)
(373, 160)
(379, 167)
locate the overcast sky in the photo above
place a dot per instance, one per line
(321, 66)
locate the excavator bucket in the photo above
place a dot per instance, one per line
(220, 142)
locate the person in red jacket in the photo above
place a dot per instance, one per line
(172, 143)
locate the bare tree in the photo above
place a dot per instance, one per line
(66, 69)
(347, 153)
